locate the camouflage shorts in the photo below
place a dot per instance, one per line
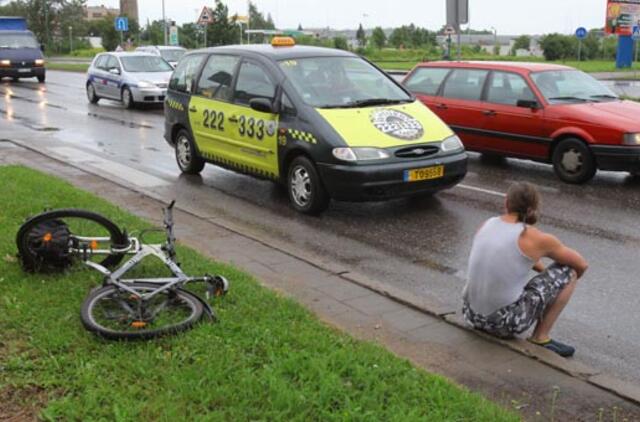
(522, 314)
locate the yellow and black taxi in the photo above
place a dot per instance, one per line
(326, 123)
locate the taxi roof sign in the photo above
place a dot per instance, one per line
(283, 42)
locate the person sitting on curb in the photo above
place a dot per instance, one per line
(499, 298)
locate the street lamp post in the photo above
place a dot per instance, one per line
(164, 24)
(495, 40)
(70, 39)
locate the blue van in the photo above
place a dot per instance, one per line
(20, 53)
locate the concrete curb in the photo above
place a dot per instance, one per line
(427, 305)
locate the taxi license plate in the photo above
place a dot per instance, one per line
(24, 70)
(426, 173)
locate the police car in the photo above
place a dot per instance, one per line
(324, 122)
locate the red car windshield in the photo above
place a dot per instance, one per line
(561, 86)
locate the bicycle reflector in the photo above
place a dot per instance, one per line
(138, 324)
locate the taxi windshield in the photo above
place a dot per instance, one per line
(172, 55)
(145, 64)
(571, 86)
(341, 82)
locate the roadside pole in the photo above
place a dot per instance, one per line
(581, 34)
(457, 14)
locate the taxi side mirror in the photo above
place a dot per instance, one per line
(263, 105)
(114, 70)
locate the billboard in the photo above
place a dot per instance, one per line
(622, 16)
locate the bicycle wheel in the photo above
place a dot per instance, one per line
(116, 314)
(50, 240)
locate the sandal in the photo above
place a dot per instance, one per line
(562, 349)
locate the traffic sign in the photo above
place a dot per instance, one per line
(636, 33)
(449, 30)
(206, 16)
(121, 23)
(173, 35)
(581, 33)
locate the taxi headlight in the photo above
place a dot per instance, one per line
(360, 154)
(451, 144)
(631, 139)
(5, 62)
(145, 84)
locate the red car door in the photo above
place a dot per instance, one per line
(513, 117)
(460, 105)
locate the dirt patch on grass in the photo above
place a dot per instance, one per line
(21, 404)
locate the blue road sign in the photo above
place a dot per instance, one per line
(121, 23)
(636, 33)
(581, 33)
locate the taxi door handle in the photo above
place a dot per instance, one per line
(442, 106)
(233, 119)
(193, 109)
(489, 113)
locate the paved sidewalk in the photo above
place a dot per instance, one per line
(340, 298)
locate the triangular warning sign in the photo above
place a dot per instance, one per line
(206, 16)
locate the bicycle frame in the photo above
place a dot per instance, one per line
(164, 252)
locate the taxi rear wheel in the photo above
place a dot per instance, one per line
(573, 161)
(306, 192)
(187, 155)
(91, 94)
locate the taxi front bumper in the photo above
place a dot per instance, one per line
(373, 182)
(148, 95)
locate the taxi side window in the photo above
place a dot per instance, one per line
(507, 88)
(465, 84)
(287, 105)
(100, 61)
(253, 82)
(427, 80)
(112, 63)
(182, 78)
(217, 75)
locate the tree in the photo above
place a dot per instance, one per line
(300, 27)
(340, 43)
(523, 42)
(361, 36)
(222, 31)
(258, 21)
(410, 36)
(558, 46)
(378, 37)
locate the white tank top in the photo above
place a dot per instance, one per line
(498, 270)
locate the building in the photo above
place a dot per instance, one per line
(129, 8)
(94, 13)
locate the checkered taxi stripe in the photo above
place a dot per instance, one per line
(302, 136)
(216, 159)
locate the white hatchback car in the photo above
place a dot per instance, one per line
(170, 53)
(128, 77)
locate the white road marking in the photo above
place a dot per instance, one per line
(118, 170)
(487, 191)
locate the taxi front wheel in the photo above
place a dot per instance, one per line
(306, 192)
(187, 155)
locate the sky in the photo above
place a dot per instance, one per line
(510, 17)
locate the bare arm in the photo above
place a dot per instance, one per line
(562, 254)
(539, 267)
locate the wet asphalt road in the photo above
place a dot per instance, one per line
(418, 244)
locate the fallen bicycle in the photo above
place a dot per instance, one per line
(122, 308)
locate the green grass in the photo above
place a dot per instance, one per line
(268, 358)
(69, 67)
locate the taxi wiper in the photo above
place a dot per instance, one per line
(369, 102)
(568, 98)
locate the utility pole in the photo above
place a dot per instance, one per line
(70, 39)
(164, 25)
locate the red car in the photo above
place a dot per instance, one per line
(544, 112)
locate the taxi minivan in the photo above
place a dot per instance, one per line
(324, 122)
